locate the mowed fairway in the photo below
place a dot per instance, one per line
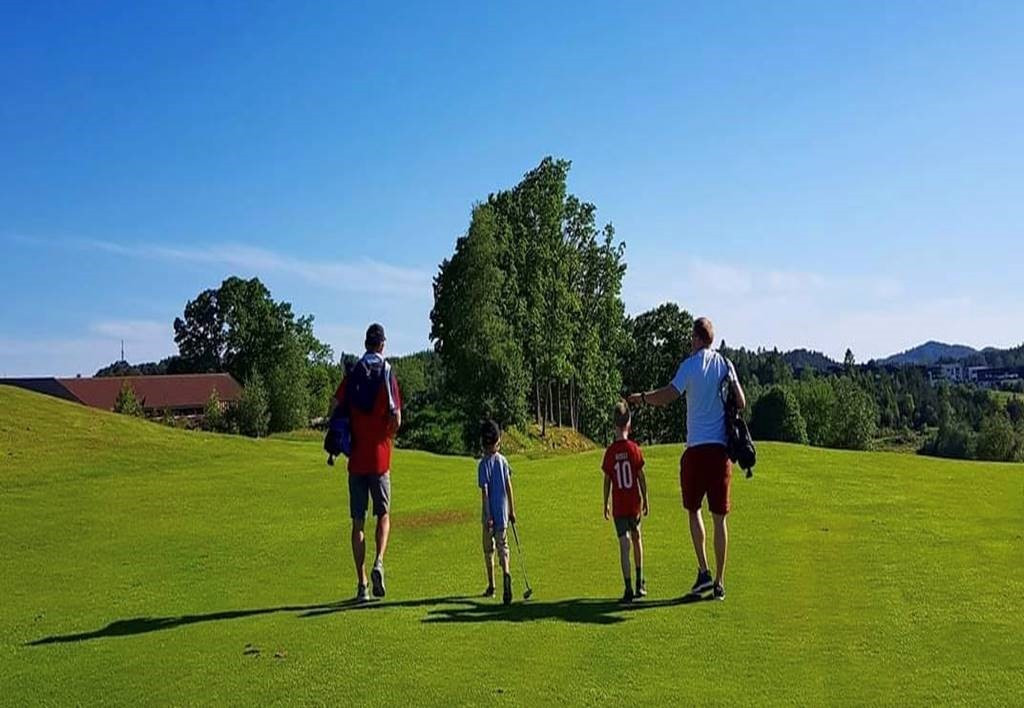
(138, 563)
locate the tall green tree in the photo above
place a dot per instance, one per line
(659, 340)
(239, 328)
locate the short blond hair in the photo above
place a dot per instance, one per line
(621, 415)
(703, 328)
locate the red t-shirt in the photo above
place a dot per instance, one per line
(372, 432)
(622, 464)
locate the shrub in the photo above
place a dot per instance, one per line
(127, 402)
(776, 416)
(855, 420)
(213, 413)
(997, 440)
(253, 410)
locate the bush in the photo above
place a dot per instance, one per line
(817, 402)
(954, 439)
(253, 410)
(127, 403)
(776, 416)
(213, 414)
(288, 397)
(997, 440)
(855, 420)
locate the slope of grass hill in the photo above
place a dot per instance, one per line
(143, 564)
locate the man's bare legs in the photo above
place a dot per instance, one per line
(698, 536)
(359, 550)
(382, 535)
(721, 547)
(383, 531)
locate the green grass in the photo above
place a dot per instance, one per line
(138, 562)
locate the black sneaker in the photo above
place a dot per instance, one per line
(362, 594)
(719, 592)
(627, 596)
(703, 583)
(489, 592)
(377, 579)
(506, 595)
(641, 588)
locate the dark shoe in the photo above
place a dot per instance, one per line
(627, 596)
(362, 594)
(641, 588)
(719, 592)
(703, 583)
(377, 578)
(489, 592)
(506, 595)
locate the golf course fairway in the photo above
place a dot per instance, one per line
(146, 565)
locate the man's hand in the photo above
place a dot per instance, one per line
(647, 509)
(490, 522)
(512, 516)
(635, 399)
(607, 512)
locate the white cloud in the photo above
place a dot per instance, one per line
(875, 315)
(364, 275)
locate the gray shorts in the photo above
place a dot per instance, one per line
(624, 524)
(363, 487)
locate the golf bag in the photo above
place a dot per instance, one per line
(362, 385)
(739, 444)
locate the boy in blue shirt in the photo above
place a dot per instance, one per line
(499, 507)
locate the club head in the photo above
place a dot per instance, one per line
(528, 594)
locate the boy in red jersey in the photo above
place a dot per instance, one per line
(624, 477)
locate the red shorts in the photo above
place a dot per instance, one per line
(706, 469)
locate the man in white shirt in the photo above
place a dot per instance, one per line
(705, 468)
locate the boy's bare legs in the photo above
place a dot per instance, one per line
(638, 560)
(721, 546)
(359, 550)
(624, 558)
(698, 536)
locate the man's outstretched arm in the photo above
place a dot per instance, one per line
(658, 397)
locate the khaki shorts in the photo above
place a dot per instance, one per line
(496, 538)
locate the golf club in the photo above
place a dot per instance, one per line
(522, 562)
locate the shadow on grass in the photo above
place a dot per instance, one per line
(145, 625)
(454, 608)
(576, 610)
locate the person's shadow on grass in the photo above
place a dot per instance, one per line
(453, 608)
(145, 625)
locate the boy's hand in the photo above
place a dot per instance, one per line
(490, 522)
(607, 512)
(647, 509)
(512, 516)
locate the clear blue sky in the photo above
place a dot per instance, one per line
(817, 174)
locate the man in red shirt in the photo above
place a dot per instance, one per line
(370, 395)
(624, 476)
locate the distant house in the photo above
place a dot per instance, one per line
(182, 395)
(981, 376)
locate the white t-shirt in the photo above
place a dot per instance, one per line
(700, 378)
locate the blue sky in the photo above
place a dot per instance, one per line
(817, 174)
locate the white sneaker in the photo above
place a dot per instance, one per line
(362, 594)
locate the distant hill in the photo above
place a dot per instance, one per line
(930, 353)
(808, 359)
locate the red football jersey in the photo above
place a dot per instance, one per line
(622, 464)
(372, 432)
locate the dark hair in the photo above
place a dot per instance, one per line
(703, 328)
(490, 433)
(621, 415)
(374, 337)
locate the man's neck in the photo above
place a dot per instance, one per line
(621, 434)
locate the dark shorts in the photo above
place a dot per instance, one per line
(362, 488)
(706, 470)
(624, 524)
